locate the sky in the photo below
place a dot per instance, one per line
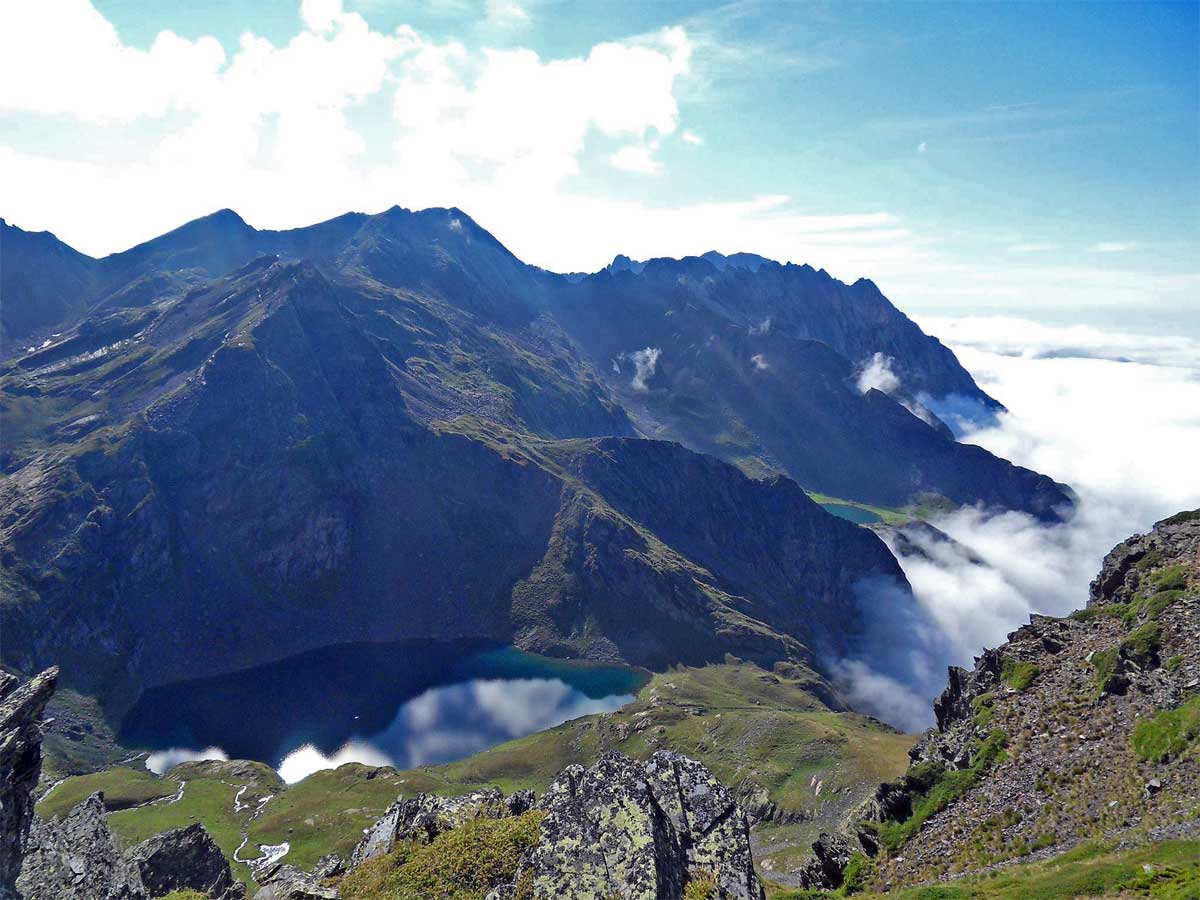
(965, 156)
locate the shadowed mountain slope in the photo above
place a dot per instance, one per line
(251, 482)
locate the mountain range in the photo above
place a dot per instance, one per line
(240, 444)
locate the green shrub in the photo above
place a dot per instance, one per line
(1150, 608)
(184, 895)
(858, 874)
(1141, 645)
(1167, 734)
(1175, 663)
(944, 788)
(1018, 674)
(700, 886)
(1110, 610)
(985, 710)
(462, 864)
(1179, 518)
(1104, 662)
(1150, 560)
(1172, 578)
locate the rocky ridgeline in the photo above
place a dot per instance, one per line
(641, 831)
(21, 726)
(1075, 729)
(78, 858)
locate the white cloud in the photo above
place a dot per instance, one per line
(165, 760)
(303, 761)
(64, 57)
(645, 363)
(760, 362)
(922, 147)
(877, 374)
(1113, 247)
(1124, 435)
(506, 15)
(691, 137)
(1032, 247)
(637, 158)
(1012, 336)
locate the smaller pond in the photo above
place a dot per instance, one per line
(854, 514)
(402, 704)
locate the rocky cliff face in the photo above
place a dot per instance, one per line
(21, 708)
(1076, 729)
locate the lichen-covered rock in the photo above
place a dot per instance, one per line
(277, 881)
(78, 859)
(21, 709)
(182, 859)
(639, 831)
(424, 817)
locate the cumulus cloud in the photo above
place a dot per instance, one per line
(343, 115)
(877, 375)
(690, 137)
(637, 158)
(1124, 435)
(645, 364)
(165, 760)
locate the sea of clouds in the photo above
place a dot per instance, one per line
(1114, 415)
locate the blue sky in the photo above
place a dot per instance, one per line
(962, 155)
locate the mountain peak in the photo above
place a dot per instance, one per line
(749, 261)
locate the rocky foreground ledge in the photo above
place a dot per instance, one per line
(1082, 728)
(663, 829)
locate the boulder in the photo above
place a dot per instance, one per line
(77, 858)
(185, 858)
(639, 831)
(277, 881)
(21, 708)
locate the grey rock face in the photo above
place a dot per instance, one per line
(78, 859)
(280, 882)
(831, 855)
(185, 858)
(21, 709)
(1120, 575)
(640, 831)
(426, 816)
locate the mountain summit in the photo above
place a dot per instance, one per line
(388, 426)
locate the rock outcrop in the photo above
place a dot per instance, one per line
(278, 881)
(186, 858)
(424, 817)
(78, 858)
(21, 708)
(1132, 561)
(1067, 732)
(640, 831)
